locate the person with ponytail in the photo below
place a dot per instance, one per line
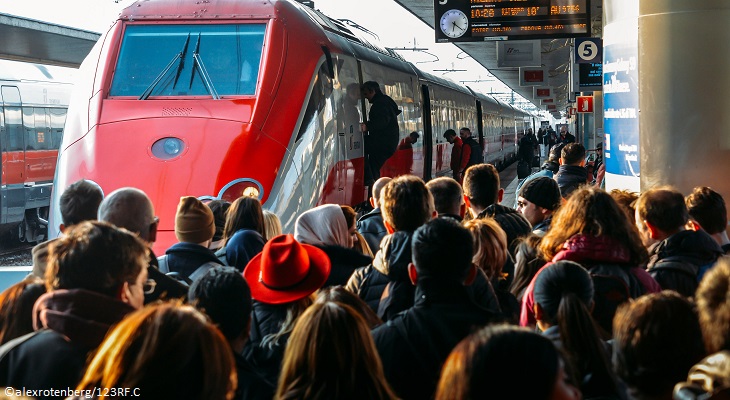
(563, 302)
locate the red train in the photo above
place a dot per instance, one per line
(33, 103)
(224, 98)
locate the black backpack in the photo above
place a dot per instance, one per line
(187, 281)
(613, 285)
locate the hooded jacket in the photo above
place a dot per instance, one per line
(414, 344)
(512, 222)
(69, 325)
(372, 228)
(344, 263)
(675, 262)
(390, 264)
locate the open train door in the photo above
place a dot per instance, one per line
(427, 134)
(12, 200)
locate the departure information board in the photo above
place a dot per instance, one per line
(480, 20)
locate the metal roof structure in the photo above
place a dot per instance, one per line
(28, 40)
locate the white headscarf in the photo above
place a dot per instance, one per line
(323, 225)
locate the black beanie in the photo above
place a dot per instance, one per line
(543, 192)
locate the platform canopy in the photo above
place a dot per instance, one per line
(28, 40)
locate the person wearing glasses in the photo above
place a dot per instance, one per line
(96, 275)
(131, 209)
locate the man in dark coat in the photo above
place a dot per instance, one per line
(99, 276)
(225, 297)
(371, 225)
(406, 204)
(565, 136)
(382, 128)
(414, 344)
(482, 195)
(194, 228)
(707, 211)
(678, 258)
(471, 151)
(572, 173)
(457, 146)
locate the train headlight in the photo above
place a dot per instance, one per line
(241, 187)
(168, 148)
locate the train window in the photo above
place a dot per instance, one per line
(42, 128)
(189, 60)
(29, 127)
(58, 118)
(13, 129)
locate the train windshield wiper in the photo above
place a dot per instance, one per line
(178, 57)
(200, 67)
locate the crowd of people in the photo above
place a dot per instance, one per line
(439, 292)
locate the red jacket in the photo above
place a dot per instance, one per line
(587, 251)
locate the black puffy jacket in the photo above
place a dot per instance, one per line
(676, 261)
(372, 228)
(569, 178)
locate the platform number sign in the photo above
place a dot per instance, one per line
(588, 50)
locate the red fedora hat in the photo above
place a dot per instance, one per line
(286, 271)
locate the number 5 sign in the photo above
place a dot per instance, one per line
(588, 50)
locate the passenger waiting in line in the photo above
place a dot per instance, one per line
(482, 195)
(282, 278)
(16, 308)
(591, 230)
(243, 234)
(572, 173)
(223, 295)
(678, 257)
(563, 303)
(490, 254)
(505, 362)
(707, 211)
(657, 339)
(448, 197)
(527, 262)
(713, 306)
(164, 351)
(626, 200)
(331, 355)
(131, 209)
(406, 204)
(272, 225)
(549, 168)
(537, 201)
(219, 208)
(415, 343)
(339, 294)
(194, 229)
(371, 225)
(96, 275)
(78, 203)
(331, 228)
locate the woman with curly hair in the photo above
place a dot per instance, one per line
(592, 230)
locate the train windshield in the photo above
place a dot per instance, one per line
(189, 60)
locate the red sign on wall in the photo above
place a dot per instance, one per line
(585, 104)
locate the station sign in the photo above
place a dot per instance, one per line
(588, 50)
(484, 20)
(539, 92)
(533, 76)
(584, 104)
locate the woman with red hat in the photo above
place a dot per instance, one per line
(283, 279)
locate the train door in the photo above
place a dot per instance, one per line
(349, 153)
(13, 157)
(480, 129)
(428, 137)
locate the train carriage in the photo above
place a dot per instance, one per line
(251, 98)
(33, 103)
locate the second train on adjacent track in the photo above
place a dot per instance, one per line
(225, 98)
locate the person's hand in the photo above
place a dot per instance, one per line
(363, 127)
